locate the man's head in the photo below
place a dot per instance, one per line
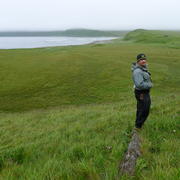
(141, 59)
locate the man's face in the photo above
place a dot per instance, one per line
(142, 62)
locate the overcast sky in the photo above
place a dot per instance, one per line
(94, 14)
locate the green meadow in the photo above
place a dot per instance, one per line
(68, 112)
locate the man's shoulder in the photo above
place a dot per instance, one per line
(137, 70)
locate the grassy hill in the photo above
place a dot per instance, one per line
(68, 112)
(168, 38)
(92, 33)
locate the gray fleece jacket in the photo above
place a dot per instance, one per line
(141, 77)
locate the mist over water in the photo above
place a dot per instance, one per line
(35, 42)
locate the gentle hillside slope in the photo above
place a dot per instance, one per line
(49, 77)
(68, 112)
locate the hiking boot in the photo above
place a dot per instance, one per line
(137, 129)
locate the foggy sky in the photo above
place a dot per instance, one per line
(93, 14)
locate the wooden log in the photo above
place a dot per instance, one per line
(127, 166)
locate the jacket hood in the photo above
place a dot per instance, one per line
(135, 66)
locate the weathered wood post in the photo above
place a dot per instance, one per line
(127, 166)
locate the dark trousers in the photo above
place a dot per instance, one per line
(143, 106)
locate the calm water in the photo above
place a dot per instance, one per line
(34, 42)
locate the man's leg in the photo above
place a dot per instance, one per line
(143, 107)
(146, 107)
(139, 111)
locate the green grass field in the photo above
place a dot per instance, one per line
(68, 112)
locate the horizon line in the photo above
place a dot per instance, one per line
(56, 30)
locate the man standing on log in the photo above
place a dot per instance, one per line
(142, 85)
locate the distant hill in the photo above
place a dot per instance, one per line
(88, 32)
(69, 32)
